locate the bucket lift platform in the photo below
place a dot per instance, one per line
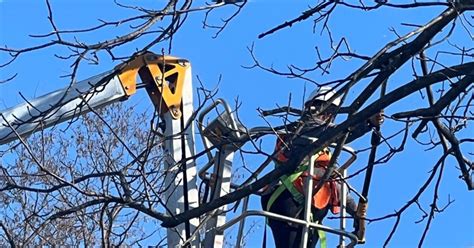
(226, 134)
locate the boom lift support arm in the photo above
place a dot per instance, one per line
(97, 91)
(168, 83)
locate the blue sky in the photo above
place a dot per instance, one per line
(393, 184)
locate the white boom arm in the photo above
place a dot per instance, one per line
(59, 106)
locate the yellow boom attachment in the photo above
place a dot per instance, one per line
(163, 77)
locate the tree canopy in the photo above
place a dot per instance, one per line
(99, 179)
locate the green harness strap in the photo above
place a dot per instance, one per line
(322, 239)
(275, 195)
(287, 183)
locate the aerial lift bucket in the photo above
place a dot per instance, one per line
(307, 222)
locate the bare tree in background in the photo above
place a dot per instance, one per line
(92, 163)
(82, 188)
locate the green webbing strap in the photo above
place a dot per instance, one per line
(288, 183)
(321, 235)
(273, 197)
(322, 238)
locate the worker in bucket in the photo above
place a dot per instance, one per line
(287, 197)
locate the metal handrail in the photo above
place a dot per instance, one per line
(205, 141)
(231, 222)
(342, 214)
(201, 119)
(308, 200)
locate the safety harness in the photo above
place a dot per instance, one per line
(294, 183)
